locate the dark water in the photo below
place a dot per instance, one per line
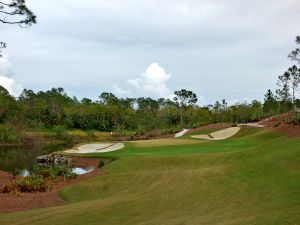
(23, 158)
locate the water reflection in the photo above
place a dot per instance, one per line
(22, 159)
(82, 170)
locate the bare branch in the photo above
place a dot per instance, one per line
(10, 13)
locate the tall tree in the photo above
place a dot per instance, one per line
(293, 73)
(270, 103)
(295, 54)
(283, 93)
(108, 98)
(184, 98)
(15, 12)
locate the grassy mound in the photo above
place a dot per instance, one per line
(252, 178)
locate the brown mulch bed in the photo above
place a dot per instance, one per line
(26, 201)
(290, 130)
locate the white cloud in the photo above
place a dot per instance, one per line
(201, 101)
(5, 66)
(5, 80)
(10, 85)
(236, 101)
(120, 91)
(153, 82)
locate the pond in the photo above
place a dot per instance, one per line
(23, 158)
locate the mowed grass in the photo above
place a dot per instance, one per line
(252, 178)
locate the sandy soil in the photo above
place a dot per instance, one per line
(96, 148)
(22, 201)
(219, 135)
(181, 133)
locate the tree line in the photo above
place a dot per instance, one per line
(45, 110)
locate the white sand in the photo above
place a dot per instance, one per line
(181, 133)
(97, 148)
(219, 135)
(252, 124)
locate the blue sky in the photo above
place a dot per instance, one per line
(219, 49)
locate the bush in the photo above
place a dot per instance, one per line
(31, 184)
(296, 119)
(277, 124)
(69, 174)
(9, 188)
(53, 172)
(101, 164)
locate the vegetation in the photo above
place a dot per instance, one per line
(54, 172)
(101, 163)
(30, 184)
(39, 181)
(252, 178)
(55, 112)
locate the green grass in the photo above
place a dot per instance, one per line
(252, 178)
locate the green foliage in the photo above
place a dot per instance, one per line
(277, 124)
(9, 134)
(101, 163)
(56, 171)
(68, 174)
(60, 132)
(30, 184)
(296, 119)
(270, 106)
(295, 54)
(34, 183)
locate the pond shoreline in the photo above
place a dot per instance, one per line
(25, 201)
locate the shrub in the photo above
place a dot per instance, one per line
(101, 164)
(34, 183)
(277, 124)
(54, 172)
(69, 174)
(296, 119)
(9, 188)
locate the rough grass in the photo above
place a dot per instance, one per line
(252, 178)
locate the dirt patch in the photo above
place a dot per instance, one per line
(277, 123)
(289, 130)
(26, 201)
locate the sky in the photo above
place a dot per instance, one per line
(217, 48)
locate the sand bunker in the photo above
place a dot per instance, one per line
(252, 124)
(219, 135)
(96, 148)
(181, 133)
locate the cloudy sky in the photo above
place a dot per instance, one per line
(218, 48)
